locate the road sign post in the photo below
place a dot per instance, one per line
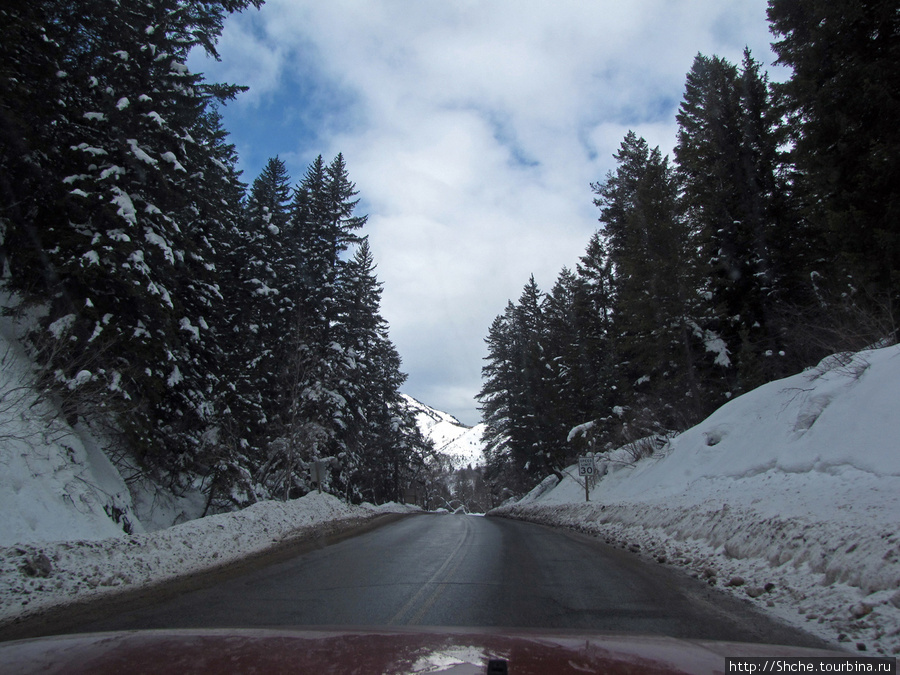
(586, 469)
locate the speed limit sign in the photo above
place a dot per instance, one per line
(586, 466)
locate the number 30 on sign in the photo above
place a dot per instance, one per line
(585, 466)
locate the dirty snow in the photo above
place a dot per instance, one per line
(788, 496)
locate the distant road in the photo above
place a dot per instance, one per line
(455, 570)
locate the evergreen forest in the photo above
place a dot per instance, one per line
(218, 336)
(226, 336)
(770, 240)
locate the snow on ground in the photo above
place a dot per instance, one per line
(67, 512)
(451, 437)
(55, 482)
(788, 496)
(37, 576)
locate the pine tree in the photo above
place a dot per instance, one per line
(373, 381)
(31, 61)
(542, 432)
(734, 197)
(499, 405)
(222, 344)
(526, 430)
(659, 337)
(267, 204)
(709, 154)
(261, 266)
(595, 295)
(315, 368)
(565, 376)
(843, 103)
(323, 223)
(116, 242)
(595, 302)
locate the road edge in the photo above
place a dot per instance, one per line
(66, 616)
(821, 640)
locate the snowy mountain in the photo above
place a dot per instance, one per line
(450, 436)
(788, 495)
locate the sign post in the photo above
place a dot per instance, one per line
(320, 472)
(586, 469)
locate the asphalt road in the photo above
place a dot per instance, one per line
(455, 570)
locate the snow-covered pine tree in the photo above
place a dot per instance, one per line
(113, 245)
(574, 369)
(533, 430)
(522, 439)
(362, 333)
(498, 405)
(262, 268)
(597, 339)
(733, 198)
(32, 82)
(382, 444)
(314, 367)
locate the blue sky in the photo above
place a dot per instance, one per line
(472, 129)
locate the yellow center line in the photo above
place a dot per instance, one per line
(435, 578)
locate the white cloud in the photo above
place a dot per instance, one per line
(248, 57)
(606, 137)
(473, 129)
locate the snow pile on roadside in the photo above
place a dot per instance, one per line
(788, 495)
(391, 507)
(71, 528)
(40, 575)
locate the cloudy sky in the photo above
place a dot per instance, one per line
(472, 129)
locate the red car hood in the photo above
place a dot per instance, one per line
(343, 651)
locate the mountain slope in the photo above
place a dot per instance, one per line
(451, 437)
(56, 481)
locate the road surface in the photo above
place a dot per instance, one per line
(456, 570)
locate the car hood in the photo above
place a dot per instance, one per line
(388, 651)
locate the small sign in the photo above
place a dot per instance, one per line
(586, 466)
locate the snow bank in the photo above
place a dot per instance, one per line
(55, 482)
(67, 513)
(37, 576)
(788, 495)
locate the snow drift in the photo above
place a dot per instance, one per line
(789, 495)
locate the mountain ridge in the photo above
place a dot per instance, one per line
(451, 437)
